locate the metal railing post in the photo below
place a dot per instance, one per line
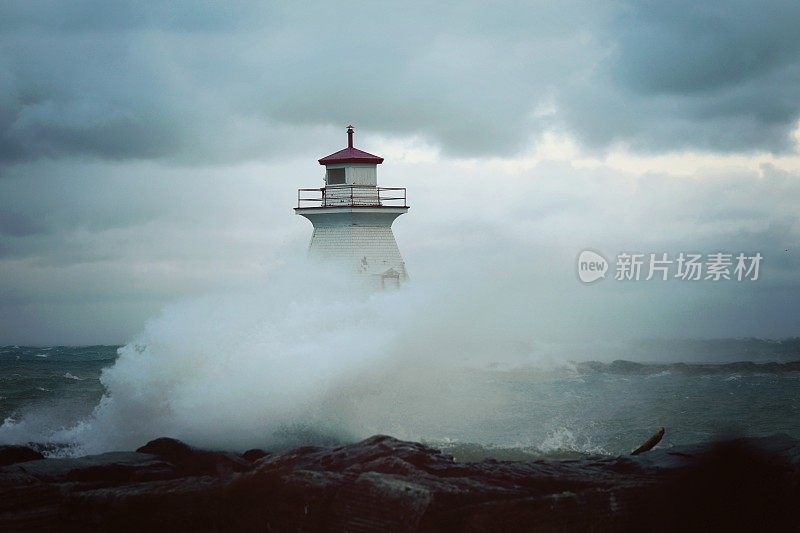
(366, 199)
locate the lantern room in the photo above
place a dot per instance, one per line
(351, 166)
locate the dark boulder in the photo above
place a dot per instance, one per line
(255, 454)
(167, 447)
(385, 484)
(111, 467)
(17, 454)
(354, 456)
(194, 461)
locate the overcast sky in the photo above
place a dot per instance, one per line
(152, 151)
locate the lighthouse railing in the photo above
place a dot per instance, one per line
(352, 196)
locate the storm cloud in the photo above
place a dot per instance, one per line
(198, 82)
(714, 75)
(151, 151)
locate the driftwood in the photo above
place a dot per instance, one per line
(650, 443)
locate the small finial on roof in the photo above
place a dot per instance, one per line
(350, 154)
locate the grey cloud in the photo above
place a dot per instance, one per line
(125, 15)
(684, 47)
(199, 82)
(124, 126)
(18, 225)
(707, 76)
(120, 239)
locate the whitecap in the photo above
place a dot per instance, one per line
(70, 376)
(41, 355)
(562, 439)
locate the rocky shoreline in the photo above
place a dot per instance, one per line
(384, 484)
(626, 368)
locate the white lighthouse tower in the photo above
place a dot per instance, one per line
(353, 217)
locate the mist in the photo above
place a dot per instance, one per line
(150, 157)
(308, 354)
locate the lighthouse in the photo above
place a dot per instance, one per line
(353, 217)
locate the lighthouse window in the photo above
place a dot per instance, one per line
(335, 176)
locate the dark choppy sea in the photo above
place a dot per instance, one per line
(35, 379)
(30, 376)
(583, 408)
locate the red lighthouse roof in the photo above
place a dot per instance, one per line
(350, 154)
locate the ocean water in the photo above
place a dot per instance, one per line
(561, 410)
(52, 386)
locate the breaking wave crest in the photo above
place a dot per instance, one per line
(309, 356)
(291, 361)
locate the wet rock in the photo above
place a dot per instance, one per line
(112, 467)
(10, 455)
(185, 503)
(377, 502)
(384, 484)
(194, 461)
(255, 454)
(355, 456)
